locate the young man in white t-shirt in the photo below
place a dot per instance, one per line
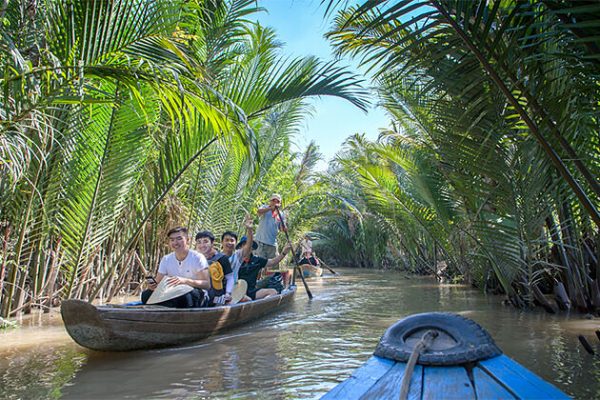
(181, 267)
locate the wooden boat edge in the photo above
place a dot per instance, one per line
(97, 328)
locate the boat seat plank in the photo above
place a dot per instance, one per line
(361, 380)
(388, 387)
(447, 383)
(487, 388)
(522, 382)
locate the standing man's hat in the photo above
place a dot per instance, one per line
(275, 196)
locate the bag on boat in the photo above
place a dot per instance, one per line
(275, 282)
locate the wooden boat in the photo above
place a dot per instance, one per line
(310, 271)
(124, 328)
(441, 355)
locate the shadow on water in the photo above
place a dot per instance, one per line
(300, 353)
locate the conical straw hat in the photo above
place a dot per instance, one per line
(164, 292)
(239, 291)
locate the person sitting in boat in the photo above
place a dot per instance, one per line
(221, 275)
(181, 267)
(309, 263)
(252, 265)
(236, 255)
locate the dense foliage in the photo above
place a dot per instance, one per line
(123, 118)
(490, 173)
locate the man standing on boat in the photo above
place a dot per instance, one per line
(221, 275)
(181, 267)
(270, 222)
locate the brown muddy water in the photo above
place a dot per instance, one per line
(300, 353)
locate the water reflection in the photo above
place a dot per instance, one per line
(300, 353)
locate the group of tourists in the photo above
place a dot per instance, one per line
(206, 277)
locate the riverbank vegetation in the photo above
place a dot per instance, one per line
(490, 173)
(121, 119)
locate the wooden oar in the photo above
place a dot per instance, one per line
(326, 266)
(296, 267)
(586, 345)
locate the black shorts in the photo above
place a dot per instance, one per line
(252, 293)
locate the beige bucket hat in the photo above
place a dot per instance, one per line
(164, 292)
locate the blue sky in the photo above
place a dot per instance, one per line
(300, 26)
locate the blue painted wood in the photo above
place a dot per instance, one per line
(447, 383)
(519, 380)
(133, 303)
(487, 388)
(388, 387)
(361, 380)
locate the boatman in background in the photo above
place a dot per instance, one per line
(181, 267)
(306, 245)
(269, 223)
(219, 268)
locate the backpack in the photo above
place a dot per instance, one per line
(275, 282)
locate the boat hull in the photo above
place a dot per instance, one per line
(122, 328)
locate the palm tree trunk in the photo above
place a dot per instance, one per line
(573, 269)
(5, 239)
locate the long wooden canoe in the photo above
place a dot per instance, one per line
(460, 361)
(124, 328)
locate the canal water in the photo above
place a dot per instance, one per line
(300, 353)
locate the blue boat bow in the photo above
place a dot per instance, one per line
(462, 362)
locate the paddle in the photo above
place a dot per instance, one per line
(326, 266)
(294, 256)
(586, 345)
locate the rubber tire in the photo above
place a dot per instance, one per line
(473, 343)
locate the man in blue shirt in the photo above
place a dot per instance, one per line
(269, 223)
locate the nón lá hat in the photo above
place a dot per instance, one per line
(164, 292)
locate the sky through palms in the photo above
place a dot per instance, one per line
(300, 26)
